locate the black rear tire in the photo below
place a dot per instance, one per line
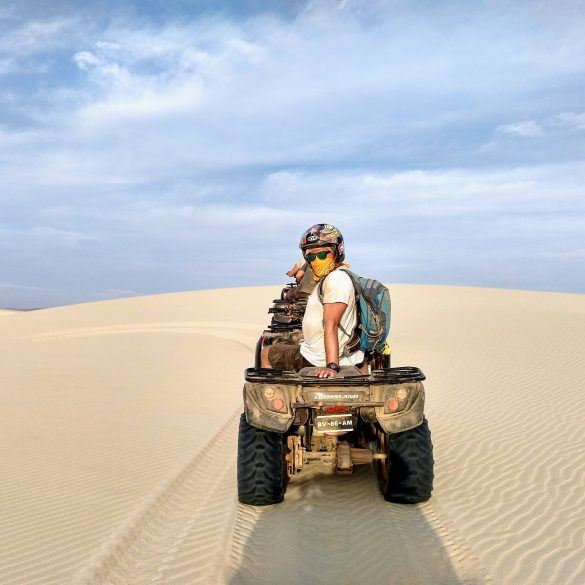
(406, 475)
(262, 469)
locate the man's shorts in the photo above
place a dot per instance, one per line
(287, 357)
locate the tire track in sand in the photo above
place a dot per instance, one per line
(178, 533)
(61, 520)
(221, 329)
(191, 529)
(329, 529)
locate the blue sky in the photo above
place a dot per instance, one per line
(151, 147)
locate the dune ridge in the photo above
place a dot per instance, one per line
(117, 448)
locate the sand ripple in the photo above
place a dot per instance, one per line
(117, 449)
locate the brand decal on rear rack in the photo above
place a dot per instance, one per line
(330, 396)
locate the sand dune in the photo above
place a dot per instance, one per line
(117, 447)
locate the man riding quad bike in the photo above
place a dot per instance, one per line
(345, 406)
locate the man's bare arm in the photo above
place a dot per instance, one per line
(332, 313)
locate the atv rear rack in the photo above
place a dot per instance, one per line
(398, 375)
(320, 404)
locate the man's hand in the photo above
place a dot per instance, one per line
(325, 373)
(297, 270)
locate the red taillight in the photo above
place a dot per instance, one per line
(392, 405)
(336, 409)
(278, 404)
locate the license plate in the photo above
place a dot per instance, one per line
(334, 423)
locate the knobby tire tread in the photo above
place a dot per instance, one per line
(410, 456)
(262, 475)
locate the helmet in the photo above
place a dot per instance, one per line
(323, 234)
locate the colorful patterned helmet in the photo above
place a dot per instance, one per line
(323, 234)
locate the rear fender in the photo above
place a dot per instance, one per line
(409, 398)
(261, 400)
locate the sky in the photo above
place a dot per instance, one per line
(160, 146)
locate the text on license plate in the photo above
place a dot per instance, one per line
(334, 422)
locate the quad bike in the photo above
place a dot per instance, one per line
(292, 419)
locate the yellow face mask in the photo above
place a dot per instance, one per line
(322, 268)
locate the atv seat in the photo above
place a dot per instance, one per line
(344, 372)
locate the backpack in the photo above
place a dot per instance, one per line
(372, 301)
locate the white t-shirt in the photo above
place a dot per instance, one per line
(337, 288)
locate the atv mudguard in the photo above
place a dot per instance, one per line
(406, 418)
(258, 409)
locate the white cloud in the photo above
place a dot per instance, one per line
(152, 139)
(576, 255)
(524, 129)
(85, 60)
(112, 293)
(69, 236)
(422, 192)
(200, 222)
(10, 139)
(36, 36)
(534, 129)
(46, 233)
(570, 120)
(12, 286)
(159, 102)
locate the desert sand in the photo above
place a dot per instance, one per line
(118, 447)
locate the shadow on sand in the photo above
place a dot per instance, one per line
(339, 529)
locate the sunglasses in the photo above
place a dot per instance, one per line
(321, 255)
